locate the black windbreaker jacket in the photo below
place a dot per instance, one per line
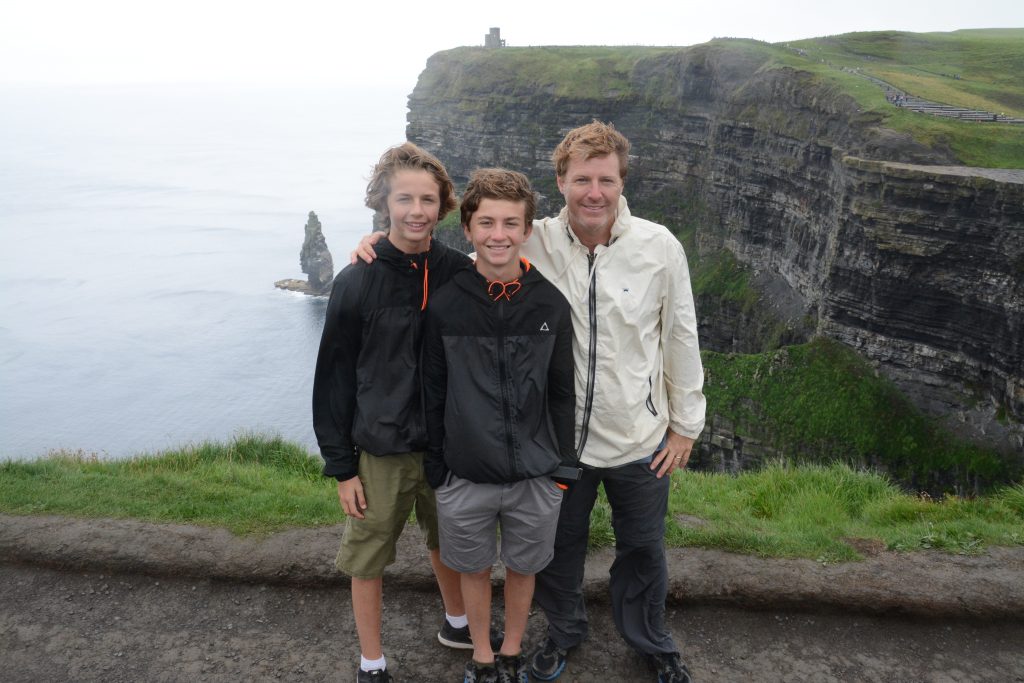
(366, 390)
(498, 388)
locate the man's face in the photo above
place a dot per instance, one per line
(413, 204)
(497, 230)
(592, 189)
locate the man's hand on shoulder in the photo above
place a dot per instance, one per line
(353, 500)
(674, 455)
(364, 250)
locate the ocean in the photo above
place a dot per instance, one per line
(141, 231)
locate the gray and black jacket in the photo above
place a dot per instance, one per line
(366, 389)
(498, 389)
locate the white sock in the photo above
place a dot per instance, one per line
(372, 664)
(457, 622)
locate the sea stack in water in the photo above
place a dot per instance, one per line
(315, 260)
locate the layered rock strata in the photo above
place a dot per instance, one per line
(848, 229)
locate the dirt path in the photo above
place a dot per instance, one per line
(121, 600)
(61, 626)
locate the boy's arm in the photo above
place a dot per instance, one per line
(562, 389)
(334, 381)
(434, 369)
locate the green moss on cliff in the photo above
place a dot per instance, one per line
(566, 72)
(820, 401)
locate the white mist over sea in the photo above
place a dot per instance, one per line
(141, 231)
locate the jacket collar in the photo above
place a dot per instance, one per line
(390, 254)
(476, 284)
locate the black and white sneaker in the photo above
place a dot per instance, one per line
(375, 676)
(670, 668)
(459, 638)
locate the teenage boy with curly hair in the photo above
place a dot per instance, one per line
(367, 411)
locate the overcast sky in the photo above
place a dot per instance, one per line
(388, 42)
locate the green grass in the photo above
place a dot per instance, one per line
(973, 68)
(257, 485)
(821, 402)
(987, 62)
(514, 72)
(821, 512)
(252, 485)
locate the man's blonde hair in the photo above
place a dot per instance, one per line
(596, 139)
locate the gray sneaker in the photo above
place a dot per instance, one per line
(480, 673)
(511, 669)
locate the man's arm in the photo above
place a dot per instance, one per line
(683, 370)
(334, 390)
(364, 250)
(434, 369)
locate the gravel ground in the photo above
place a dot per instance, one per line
(119, 600)
(68, 626)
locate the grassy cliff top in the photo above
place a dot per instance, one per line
(978, 69)
(581, 71)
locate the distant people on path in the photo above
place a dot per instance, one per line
(367, 411)
(499, 402)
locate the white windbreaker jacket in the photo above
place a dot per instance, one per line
(637, 363)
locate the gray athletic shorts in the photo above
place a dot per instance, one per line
(469, 515)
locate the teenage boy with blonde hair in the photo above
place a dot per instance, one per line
(367, 411)
(499, 403)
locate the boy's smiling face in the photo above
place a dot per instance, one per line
(497, 229)
(414, 201)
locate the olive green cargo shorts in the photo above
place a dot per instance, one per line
(394, 486)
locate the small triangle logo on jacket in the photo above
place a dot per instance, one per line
(544, 327)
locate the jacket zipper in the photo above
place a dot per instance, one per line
(650, 397)
(588, 402)
(506, 394)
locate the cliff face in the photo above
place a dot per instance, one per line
(848, 229)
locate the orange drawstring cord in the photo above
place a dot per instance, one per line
(426, 280)
(507, 289)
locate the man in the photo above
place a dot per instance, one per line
(367, 412)
(639, 404)
(498, 398)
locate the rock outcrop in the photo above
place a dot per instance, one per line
(848, 229)
(315, 260)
